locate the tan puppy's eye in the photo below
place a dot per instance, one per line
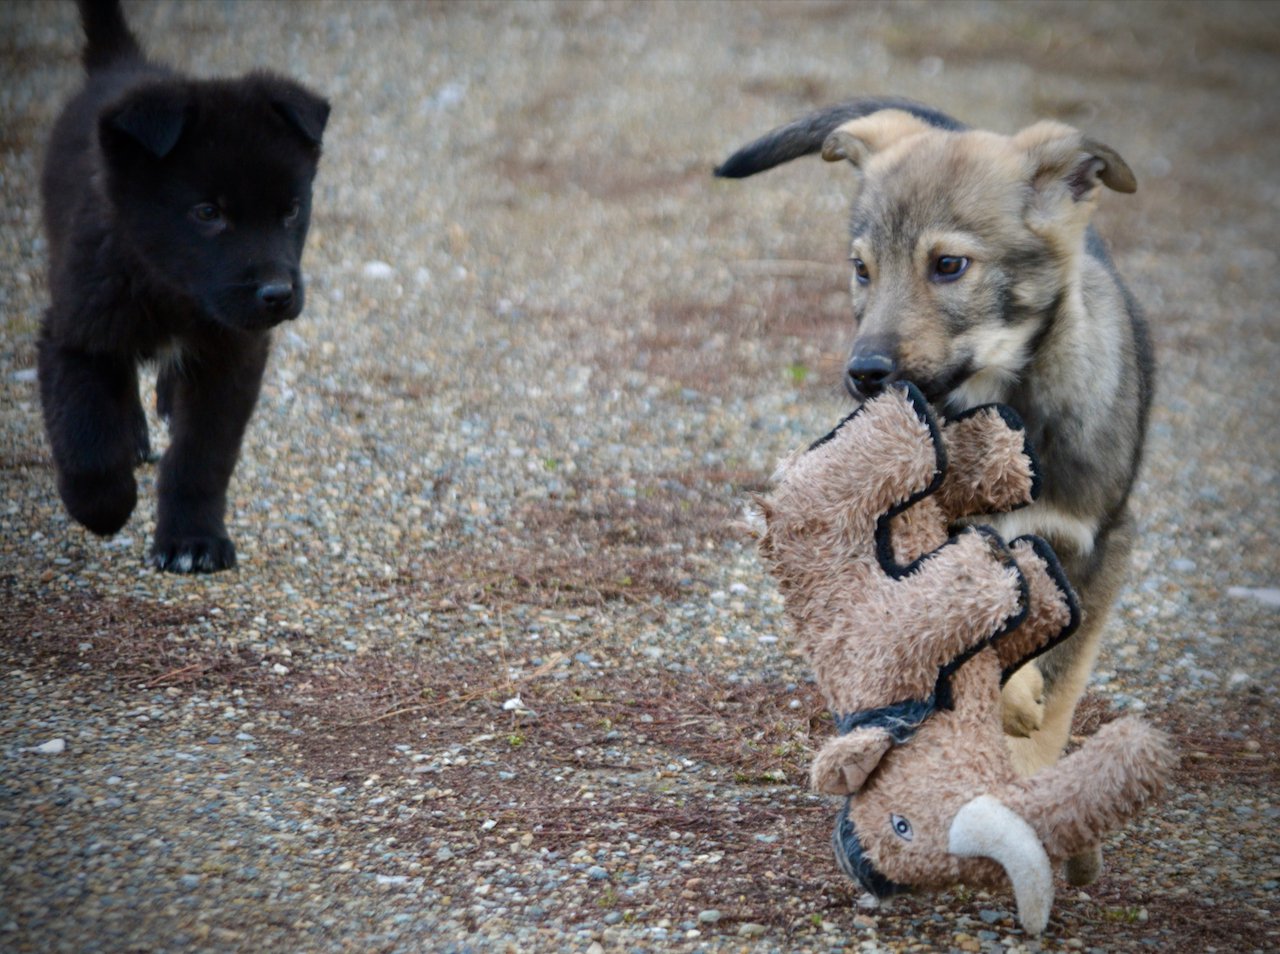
(861, 271)
(901, 827)
(947, 268)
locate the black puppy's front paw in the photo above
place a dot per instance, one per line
(101, 501)
(193, 554)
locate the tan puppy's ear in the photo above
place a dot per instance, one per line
(859, 138)
(1064, 158)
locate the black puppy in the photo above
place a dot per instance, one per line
(176, 211)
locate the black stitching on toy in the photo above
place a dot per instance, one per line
(853, 861)
(899, 719)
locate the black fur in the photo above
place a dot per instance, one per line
(176, 212)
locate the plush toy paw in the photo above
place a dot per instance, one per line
(1022, 702)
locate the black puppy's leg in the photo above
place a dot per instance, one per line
(209, 400)
(92, 416)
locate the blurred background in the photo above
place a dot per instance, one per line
(546, 357)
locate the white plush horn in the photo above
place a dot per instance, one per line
(985, 828)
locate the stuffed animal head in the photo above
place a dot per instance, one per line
(912, 622)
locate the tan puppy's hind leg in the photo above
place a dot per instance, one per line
(1044, 746)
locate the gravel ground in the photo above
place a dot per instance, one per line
(504, 456)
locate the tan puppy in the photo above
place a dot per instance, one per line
(977, 276)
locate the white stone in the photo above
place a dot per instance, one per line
(1266, 595)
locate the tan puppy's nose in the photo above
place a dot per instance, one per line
(867, 373)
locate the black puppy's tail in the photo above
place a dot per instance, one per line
(107, 37)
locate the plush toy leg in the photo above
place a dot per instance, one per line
(989, 465)
(1095, 790)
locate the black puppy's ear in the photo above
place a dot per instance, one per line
(301, 109)
(153, 117)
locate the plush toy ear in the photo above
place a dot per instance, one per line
(843, 764)
(152, 117)
(1064, 160)
(859, 139)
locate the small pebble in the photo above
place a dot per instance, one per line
(52, 747)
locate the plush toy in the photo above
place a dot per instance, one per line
(911, 627)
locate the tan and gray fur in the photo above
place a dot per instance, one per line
(979, 278)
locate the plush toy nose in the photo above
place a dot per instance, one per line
(868, 372)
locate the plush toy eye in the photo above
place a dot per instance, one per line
(861, 271)
(901, 827)
(947, 268)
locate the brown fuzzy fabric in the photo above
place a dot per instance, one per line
(878, 634)
(821, 542)
(892, 608)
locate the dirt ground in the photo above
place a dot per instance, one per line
(505, 453)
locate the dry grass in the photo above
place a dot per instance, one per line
(595, 543)
(787, 320)
(633, 724)
(136, 640)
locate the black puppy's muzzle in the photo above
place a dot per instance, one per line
(276, 297)
(275, 300)
(868, 372)
(278, 300)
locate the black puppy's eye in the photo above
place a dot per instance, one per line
(947, 268)
(861, 271)
(206, 213)
(291, 215)
(901, 827)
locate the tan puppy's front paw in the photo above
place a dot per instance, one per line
(1022, 702)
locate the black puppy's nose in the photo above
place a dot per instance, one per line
(276, 296)
(866, 374)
